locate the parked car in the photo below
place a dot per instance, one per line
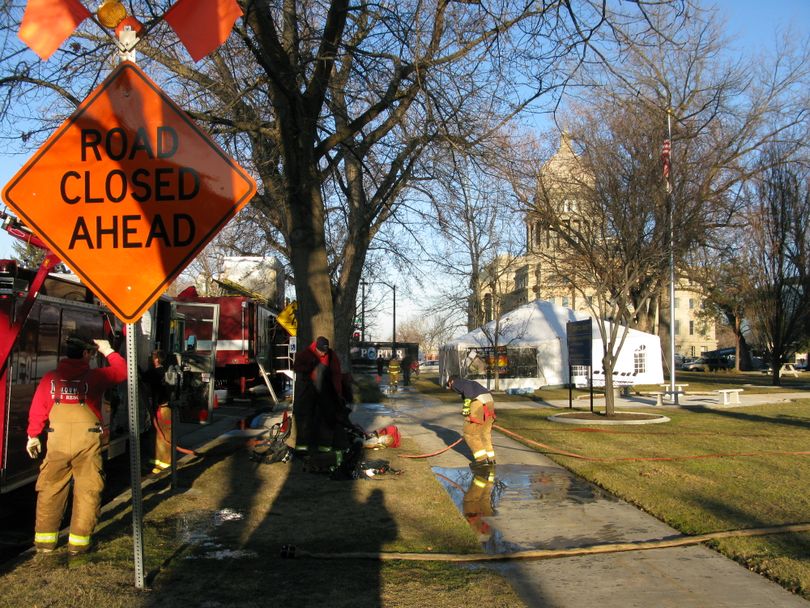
(705, 364)
(685, 361)
(698, 365)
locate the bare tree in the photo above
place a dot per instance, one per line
(429, 331)
(778, 257)
(479, 249)
(606, 217)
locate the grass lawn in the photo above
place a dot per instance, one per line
(704, 495)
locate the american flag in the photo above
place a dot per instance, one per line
(665, 160)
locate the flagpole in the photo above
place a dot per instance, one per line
(671, 266)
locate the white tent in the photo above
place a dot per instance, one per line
(533, 351)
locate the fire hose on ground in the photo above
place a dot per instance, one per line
(290, 551)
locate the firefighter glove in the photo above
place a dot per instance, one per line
(465, 411)
(33, 447)
(104, 347)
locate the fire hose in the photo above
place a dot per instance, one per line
(290, 551)
(442, 451)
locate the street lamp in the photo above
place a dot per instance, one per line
(363, 284)
(363, 311)
(394, 330)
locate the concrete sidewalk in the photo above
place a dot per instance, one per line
(541, 505)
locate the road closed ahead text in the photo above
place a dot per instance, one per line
(143, 173)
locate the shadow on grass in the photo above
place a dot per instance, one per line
(237, 517)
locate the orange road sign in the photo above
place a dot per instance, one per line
(128, 191)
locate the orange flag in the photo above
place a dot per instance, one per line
(46, 24)
(202, 25)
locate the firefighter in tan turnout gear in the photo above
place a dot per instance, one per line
(67, 405)
(479, 416)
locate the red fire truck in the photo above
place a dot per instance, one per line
(236, 338)
(37, 311)
(226, 341)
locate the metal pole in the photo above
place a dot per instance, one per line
(671, 268)
(394, 334)
(135, 454)
(363, 313)
(127, 41)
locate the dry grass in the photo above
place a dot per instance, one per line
(218, 543)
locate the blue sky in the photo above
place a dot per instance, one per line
(753, 22)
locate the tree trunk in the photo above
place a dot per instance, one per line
(610, 401)
(310, 265)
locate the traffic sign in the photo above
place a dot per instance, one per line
(128, 191)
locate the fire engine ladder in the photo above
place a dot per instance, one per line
(268, 383)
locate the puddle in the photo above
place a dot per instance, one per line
(378, 409)
(512, 489)
(195, 528)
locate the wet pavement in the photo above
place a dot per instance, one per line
(529, 502)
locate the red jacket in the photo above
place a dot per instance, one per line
(98, 380)
(307, 360)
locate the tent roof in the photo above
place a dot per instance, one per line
(535, 322)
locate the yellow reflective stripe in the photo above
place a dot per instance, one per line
(324, 448)
(302, 448)
(491, 455)
(46, 537)
(477, 455)
(78, 541)
(479, 482)
(160, 463)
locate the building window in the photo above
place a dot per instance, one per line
(565, 301)
(691, 328)
(677, 302)
(677, 327)
(640, 359)
(691, 303)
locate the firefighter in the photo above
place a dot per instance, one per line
(159, 393)
(68, 401)
(318, 396)
(394, 369)
(479, 416)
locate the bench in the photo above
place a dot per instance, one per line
(787, 368)
(680, 389)
(729, 395)
(659, 398)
